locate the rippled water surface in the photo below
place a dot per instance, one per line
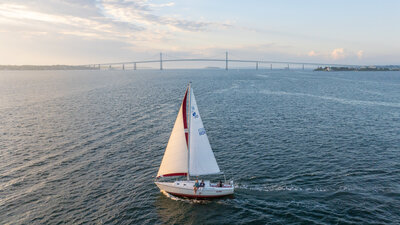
(303, 147)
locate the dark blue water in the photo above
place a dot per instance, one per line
(303, 147)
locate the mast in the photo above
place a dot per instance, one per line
(190, 112)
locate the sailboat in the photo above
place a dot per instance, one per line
(189, 153)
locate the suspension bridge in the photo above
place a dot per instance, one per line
(257, 63)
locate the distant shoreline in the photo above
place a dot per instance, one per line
(45, 67)
(363, 68)
(70, 67)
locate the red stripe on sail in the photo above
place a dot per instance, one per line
(185, 117)
(173, 175)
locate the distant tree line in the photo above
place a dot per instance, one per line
(362, 68)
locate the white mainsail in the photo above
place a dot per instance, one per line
(202, 160)
(175, 160)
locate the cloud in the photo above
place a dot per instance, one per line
(360, 54)
(137, 25)
(130, 29)
(128, 21)
(21, 12)
(341, 53)
(142, 12)
(169, 4)
(338, 53)
(312, 53)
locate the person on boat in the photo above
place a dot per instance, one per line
(220, 184)
(196, 186)
(202, 185)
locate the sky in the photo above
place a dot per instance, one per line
(45, 32)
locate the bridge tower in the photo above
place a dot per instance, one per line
(226, 60)
(123, 66)
(161, 61)
(134, 66)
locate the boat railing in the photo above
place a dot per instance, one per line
(223, 186)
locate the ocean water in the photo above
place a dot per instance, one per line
(303, 147)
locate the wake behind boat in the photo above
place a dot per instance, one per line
(189, 153)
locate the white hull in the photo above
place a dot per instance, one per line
(185, 189)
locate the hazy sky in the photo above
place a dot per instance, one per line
(95, 31)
